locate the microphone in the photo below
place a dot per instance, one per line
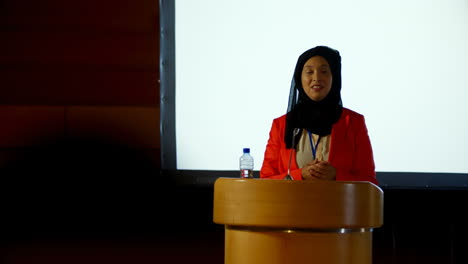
(295, 133)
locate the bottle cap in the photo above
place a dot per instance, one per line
(246, 150)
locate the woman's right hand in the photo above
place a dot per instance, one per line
(307, 171)
(319, 170)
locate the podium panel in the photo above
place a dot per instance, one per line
(276, 222)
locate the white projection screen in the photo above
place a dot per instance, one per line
(404, 67)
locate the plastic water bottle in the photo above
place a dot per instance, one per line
(246, 164)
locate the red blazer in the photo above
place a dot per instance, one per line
(350, 151)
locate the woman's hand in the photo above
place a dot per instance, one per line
(319, 170)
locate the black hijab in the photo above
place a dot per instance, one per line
(303, 112)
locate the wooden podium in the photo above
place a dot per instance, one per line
(295, 222)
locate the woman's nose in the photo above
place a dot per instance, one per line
(315, 77)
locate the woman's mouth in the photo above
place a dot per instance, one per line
(316, 88)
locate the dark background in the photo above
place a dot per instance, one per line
(80, 151)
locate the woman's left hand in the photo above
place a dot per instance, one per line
(323, 170)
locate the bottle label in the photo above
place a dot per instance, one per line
(246, 174)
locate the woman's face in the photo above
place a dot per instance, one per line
(316, 78)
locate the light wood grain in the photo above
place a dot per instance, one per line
(297, 204)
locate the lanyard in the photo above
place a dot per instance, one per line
(312, 145)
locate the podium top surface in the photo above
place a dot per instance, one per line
(297, 204)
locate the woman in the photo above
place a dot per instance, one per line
(318, 139)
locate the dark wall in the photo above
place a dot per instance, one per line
(82, 71)
(422, 225)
